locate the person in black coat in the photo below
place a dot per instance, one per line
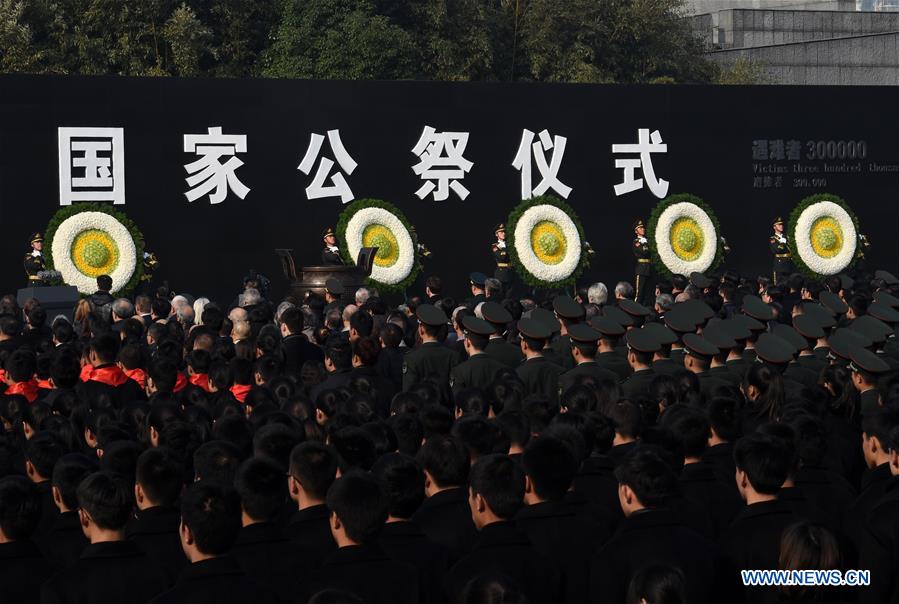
(551, 524)
(64, 541)
(359, 566)
(365, 373)
(445, 516)
(110, 569)
(651, 534)
(22, 566)
(339, 364)
(497, 486)
(296, 347)
(154, 528)
(879, 538)
(313, 468)
(403, 483)
(209, 527)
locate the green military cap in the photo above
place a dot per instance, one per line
(606, 327)
(477, 279)
(747, 322)
(431, 315)
(846, 282)
(697, 345)
(808, 327)
(546, 318)
(327, 232)
(833, 303)
(665, 336)
(771, 349)
(718, 335)
(883, 312)
(617, 315)
(856, 338)
(495, 313)
(583, 333)
(567, 308)
(840, 346)
(477, 326)
(642, 341)
(680, 319)
(334, 287)
(755, 308)
(638, 224)
(699, 309)
(887, 298)
(887, 277)
(35, 237)
(534, 329)
(738, 330)
(635, 309)
(500, 227)
(873, 329)
(777, 220)
(866, 361)
(792, 337)
(700, 280)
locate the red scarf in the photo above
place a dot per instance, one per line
(138, 375)
(86, 372)
(240, 391)
(27, 389)
(180, 383)
(201, 380)
(45, 384)
(111, 375)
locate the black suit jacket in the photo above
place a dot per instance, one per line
(445, 518)
(874, 485)
(699, 484)
(311, 530)
(297, 350)
(502, 549)
(22, 569)
(155, 531)
(879, 548)
(270, 559)
(405, 542)
(116, 571)
(63, 543)
(596, 481)
(216, 581)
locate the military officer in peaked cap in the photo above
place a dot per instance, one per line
(643, 269)
(780, 249)
(431, 360)
(478, 282)
(499, 348)
(641, 347)
(608, 357)
(34, 259)
(331, 253)
(538, 374)
(698, 353)
(662, 363)
(866, 367)
(501, 256)
(569, 313)
(333, 292)
(480, 369)
(583, 346)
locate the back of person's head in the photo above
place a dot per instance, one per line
(650, 478)
(409, 432)
(335, 596)
(658, 584)
(262, 489)
(690, 427)
(43, 450)
(878, 424)
(436, 420)
(480, 435)
(765, 459)
(360, 506)
(472, 401)
(212, 513)
(723, 418)
(550, 467)
(68, 473)
(20, 508)
(446, 461)
(216, 462)
(21, 365)
(626, 418)
(314, 466)
(493, 589)
(516, 427)
(105, 498)
(355, 448)
(402, 482)
(275, 442)
(160, 476)
(499, 481)
(161, 308)
(104, 283)
(807, 546)
(339, 354)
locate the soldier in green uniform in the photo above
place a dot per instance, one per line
(779, 246)
(697, 359)
(539, 375)
(498, 347)
(431, 360)
(150, 264)
(643, 269)
(331, 253)
(34, 259)
(477, 282)
(641, 346)
(607, 357)
(661, 361)
(583, 345)
(480, 369)
(501, 256)
(866, 367)
(717, 334)
(551, 322)
(569, 313)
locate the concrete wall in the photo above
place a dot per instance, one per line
(750, 28)
(853, 61)
(698, 7)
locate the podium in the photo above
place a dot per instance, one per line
(312, 279)
(56, 299)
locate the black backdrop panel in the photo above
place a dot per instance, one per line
(731, 146)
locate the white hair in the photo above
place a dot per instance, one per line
(363, 294)
(280, 310)
(199, 305)
(249, 297)
(179, 301)
(598, 293)
(624, 290)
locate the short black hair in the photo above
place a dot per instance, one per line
(68, 473)
(21, 365)
(690, 427)
(292, 317)
(43, 450)
(358, 502)
(516, 427)
(402, 482)
(435, 420)
(408, 430)
(164, 374)
(212, 513)
(648, 475)
(500, 481)
(130, 356)
(879, 423)
(20, 507)
(275, 442)
(626, 418)
(339, 353)
(551, 467)
(446, 460)
(723, 418)
(262, 488)
(355, 448)
(199, 360)
(106, 347)
(314, 465)
(472, 401)
(481, 435)
(104, 282)
(217, 461)
(161, 307)
(765, 459)
(106, 498)
(362, 322)
(160, 475)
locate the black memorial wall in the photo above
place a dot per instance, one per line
(750, 152)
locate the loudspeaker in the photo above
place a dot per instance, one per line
(56, 300)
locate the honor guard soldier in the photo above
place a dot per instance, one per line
(501, 256)
(783, 263)
(431, 360)
(331, 254)
(34, 260)
(538, 374)
(583, 348)
(480, 369)
(861, 249)
(641, 253)
(150, 264)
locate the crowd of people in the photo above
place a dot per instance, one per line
(567, 449)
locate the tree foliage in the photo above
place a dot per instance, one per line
(630, 41)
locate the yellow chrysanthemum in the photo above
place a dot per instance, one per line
(826, 237)
(379, 236)
(687, 240)
(94, 253)
(548, 242)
